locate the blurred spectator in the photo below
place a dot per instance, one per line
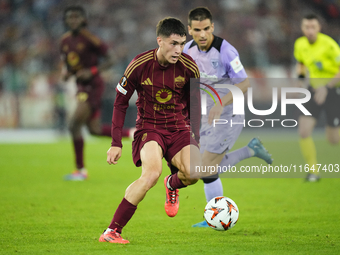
(264, 31)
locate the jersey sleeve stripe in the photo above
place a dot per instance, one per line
(94, 39)
(67, 34)
(186, 65)
(191, 66)
(128, 73)
(137, 62)
(139, 59)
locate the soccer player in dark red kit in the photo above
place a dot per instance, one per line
(81, 52)
(161, 78)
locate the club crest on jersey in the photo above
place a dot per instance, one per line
(214, 63)
(179, 81)
(144, 136)
(163, 95)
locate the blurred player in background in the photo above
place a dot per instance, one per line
(218, 62)
(161, 78)
(320, 55)
(81, 52)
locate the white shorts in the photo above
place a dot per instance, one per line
(221, 138)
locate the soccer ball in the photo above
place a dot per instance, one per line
(221, 213)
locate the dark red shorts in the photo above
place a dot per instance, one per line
(91, 92)
(171, 142)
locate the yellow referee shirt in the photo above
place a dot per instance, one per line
(322, 58)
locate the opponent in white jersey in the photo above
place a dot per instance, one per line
(219, 63)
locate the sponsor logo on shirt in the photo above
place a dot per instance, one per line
(72, 58)
(163, 95)
(159, 107)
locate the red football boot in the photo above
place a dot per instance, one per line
(112, 237)
(171, 201)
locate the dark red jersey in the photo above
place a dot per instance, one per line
(163, 95)
(81, 50)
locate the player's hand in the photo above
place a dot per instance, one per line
(320, 95)
(113, 154)
(215, 113)
(84, 74)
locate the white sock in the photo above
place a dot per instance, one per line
(168, 184)
(108, 230)
(213, 189)
(83, 170)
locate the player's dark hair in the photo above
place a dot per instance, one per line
(76, 8)
(311, 16)
(199, 14)
(169, 26)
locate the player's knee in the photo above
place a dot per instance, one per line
(189, 178)
(149, 180)
(191, 181)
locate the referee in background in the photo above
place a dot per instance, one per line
(319, 55)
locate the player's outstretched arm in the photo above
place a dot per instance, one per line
(113, 154)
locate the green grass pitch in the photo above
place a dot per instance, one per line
(42, 214)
